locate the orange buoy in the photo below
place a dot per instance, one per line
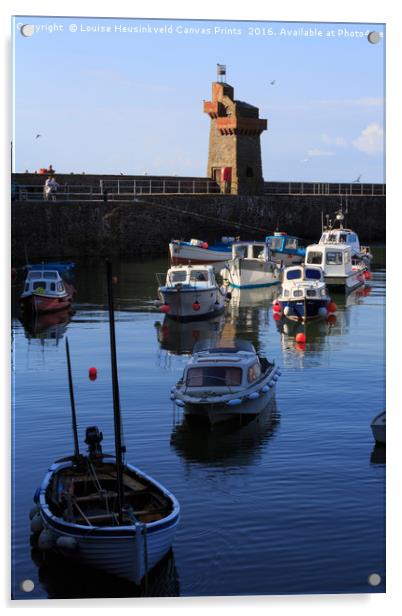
(205, 245)
(332, 307)
(196, 305)
(165, 308)
(301, 338)
(93, 373)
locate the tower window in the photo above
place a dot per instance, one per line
(249, 172)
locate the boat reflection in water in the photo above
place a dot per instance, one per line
(47, 328)
(179, 338)
(237, 442)
(60, 579)
(378, 454)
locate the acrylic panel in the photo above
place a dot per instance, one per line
(232, 174)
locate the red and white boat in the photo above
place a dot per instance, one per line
(199, 252)
(46, 291)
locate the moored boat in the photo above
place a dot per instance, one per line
(191, 293)
(251, 266)
(222, 382)
(336, 261)
(285, 249)
(99, 510)
(199, 252)
(361, 255)
(304, 294)
(45, 291)
(378, 428)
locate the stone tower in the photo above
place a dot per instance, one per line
(234, 157)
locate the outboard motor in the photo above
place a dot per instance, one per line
(93, 438)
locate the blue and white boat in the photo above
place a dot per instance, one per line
(219, 383)
(199, 252)
(99, 510)
(285, 249)
(304, 294)
(251, 266)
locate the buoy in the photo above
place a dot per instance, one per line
(276, 308)
(165, 308)
(332, 307)
(196, 305)
(300, 346)
(46, 541)
(37, 523)
(66, 544)
(93, 373)
(322, 311)
(331, 319)
(286, 311)
(301, 338)
(277, 316)
(265, 389)
(204, 245)
(234, 402)
(254, 395)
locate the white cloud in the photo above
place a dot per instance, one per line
(371, 139)
(318, 152)
(337, 141)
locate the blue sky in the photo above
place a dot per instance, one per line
(131, 102)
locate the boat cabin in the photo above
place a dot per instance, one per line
(281, 242)
(43, 282)
(224, 368)
(341, 236)
(251, 250)
(303, 281)
(187, 276)
(335, 260)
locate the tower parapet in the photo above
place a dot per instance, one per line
(234, 157)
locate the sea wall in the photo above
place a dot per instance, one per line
(144, 226)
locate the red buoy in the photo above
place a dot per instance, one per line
(165, 308)
(276, 307)
(301, 338)
(300, 346)
(332, 307)
(277, 316)
(196, 305)
(93, 373)
(331, 319)
(205, 245)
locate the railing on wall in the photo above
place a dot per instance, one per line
(319, 188)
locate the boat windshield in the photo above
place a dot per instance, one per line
(215, 376)
(200, 275)
(293, 274)
(334, 257)
(291, 243)
(312, 274)
(314, 257)
(178, 276)
(275, 243)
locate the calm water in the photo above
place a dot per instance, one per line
(293, 502)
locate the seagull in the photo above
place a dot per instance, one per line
(272, 82)
(305, 160)
(37, 136)
(121, 173)
(357, 179)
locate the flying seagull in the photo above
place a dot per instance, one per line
(272, 82)
(357, 179)
(37, 136)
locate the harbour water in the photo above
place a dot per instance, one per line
(291, 502)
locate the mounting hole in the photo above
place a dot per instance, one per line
(374, 579)
(27, 585)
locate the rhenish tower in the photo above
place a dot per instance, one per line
(234, 157)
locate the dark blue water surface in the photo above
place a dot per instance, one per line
(292, 502)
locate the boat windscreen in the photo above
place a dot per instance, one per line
(214, 376)
(312, 274)
(293, 274)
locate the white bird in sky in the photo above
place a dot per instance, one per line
(357, 179)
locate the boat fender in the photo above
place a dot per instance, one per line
(172, 396)
(265, 389)
(286, 311)
(36, 524)
(179, 402)
(67, 544)
(234, 402)
(35, 509)
(322, 311)
(254, 395)
(275, 377)
(46, 541)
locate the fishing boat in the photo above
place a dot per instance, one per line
(361, 255)
(199, 252)
(219, 383)
(192, 292)
(336, 261)
(285, 249)
(378, 428)
(251, 266)
(304, 294)
(45, 290)
(99, 510)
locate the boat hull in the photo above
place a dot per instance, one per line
(127, 552)
(185, 254)
(191, 305)
(345, 283)
(251, 274)
(41, 304)
(378, 428)
(304, 309)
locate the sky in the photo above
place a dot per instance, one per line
(129, 99)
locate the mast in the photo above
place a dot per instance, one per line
(116, 398)
(70, 385)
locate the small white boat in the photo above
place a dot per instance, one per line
(251, 266)
(45, 291)
(378, 428)
(219, 383)
(192, 292)
(336, 261)
(196, 251)
(332, 235)
(304, 294)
